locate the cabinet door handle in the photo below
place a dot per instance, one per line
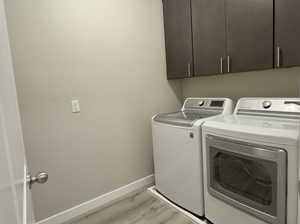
(278, 57)
(221, 65)
(228, 64)
(189, 70)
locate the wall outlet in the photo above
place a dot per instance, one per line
(75, 106)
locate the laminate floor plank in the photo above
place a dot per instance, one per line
(140, 208)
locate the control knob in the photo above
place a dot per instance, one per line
(201, 103)
(267, 104)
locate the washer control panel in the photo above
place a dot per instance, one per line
(204, 103)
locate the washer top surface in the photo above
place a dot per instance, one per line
(183, 118)
(195, 109)
(280, 125)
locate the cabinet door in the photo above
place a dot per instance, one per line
(178, 37)
(287, 33)
(249, 34)
(209, 36)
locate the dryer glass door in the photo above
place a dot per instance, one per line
(252, 180)
(250, 177)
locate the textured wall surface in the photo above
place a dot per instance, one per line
(268, 83)
(109, 54)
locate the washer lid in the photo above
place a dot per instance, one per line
(184, 118)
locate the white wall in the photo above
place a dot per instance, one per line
(109, 54)
(268, 83)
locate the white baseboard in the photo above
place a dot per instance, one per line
(91, 205)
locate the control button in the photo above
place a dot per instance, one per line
(267, 104)
(201, 103)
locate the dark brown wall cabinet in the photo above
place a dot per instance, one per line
(287, 33)
(207, 37)
(232, 35)
(178, 38)
(249, 26)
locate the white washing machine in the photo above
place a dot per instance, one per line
(251, 163)
(177, 150)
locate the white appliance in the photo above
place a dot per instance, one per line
(177, 150)
(251, 163)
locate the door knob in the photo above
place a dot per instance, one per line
(40, 178)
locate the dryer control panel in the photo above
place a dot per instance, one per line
(283, 107)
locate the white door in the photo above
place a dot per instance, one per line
(15, 200)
